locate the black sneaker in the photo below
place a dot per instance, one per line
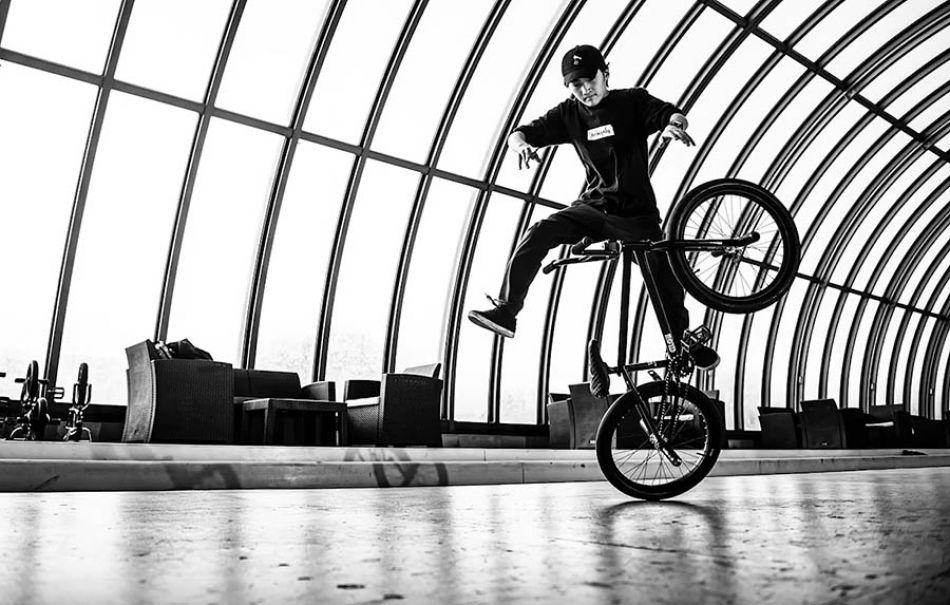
(599, 379)
(499, 320)
(705, 358)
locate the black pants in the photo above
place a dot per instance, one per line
(571, 225)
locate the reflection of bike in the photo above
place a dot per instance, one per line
(82, 393)
(735, 248)
(32, 414)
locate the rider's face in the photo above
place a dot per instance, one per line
(589, 91)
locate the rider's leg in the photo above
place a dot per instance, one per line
(567, 226)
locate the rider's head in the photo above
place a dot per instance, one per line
(585, 74)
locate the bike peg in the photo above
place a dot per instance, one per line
(581, 245)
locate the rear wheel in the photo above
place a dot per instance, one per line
(735, 279)
(686, 421)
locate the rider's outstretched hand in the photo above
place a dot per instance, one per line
(526, 153)
(673, 132)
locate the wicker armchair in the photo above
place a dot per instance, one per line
(176, 400)
(401, 409)
(821, 424)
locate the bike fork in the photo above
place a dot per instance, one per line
(649, 427)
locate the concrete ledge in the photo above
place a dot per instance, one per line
(51, 466)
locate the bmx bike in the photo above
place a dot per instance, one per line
(32, 413)
(82, 394)
(734, 247)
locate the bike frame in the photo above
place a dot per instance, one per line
(640, 251)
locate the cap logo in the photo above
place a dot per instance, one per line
(577, 60)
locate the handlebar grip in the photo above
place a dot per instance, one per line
(579, 246)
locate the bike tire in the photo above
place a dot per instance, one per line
(631, 463)
(742, 280)
(31, 383)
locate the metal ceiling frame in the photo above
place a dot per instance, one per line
(460, 282)
(82, 191)
(352, 189)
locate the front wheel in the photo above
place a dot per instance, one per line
(687, 425)
(734, 279)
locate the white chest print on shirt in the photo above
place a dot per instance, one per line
(601, 132)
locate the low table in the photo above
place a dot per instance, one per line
(314, 422)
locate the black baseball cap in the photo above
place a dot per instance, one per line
(581, 62)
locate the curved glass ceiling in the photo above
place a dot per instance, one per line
(322, 187)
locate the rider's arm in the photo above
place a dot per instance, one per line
(548, 129)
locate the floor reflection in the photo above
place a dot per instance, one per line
(874, 536)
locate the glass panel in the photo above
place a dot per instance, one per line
(45, 121)
(818, 334)
(880, 219)
(725, 373)
(816, 151)
(590, 27)
(896, 234)
(221, 237)
(752, 385)
(432, 271)
(520, 364)
(856, 356)
(941, 403)
(349, 79)
(642, 39)
(123, 245)
(62, 31)
(907, 64)
(778, 134)
(932, 116)
(901, 377)
(293, 293)
(786, 18)
(928, 292)
(703, 117)
(269, 58)
(569, 344)
(879, 34)
(750, 115)
(700, 40)
(435, 57)
(500, 74)
(906, 240)
(781, 355)
(475, 343)
(822, 194)
(904, 103)
(368, 271)
(870, 218)
(183, 68)
(922, 269)
(885, 391)
(839, 349)
(921, 402)
(827, 33)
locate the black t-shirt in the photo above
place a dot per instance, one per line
(611, 141)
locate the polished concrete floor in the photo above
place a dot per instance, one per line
(853, 537)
